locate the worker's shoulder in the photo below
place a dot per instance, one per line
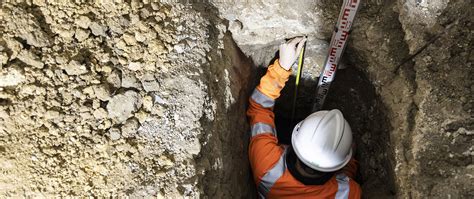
(264, 152)
(354, 183)
(266, 144)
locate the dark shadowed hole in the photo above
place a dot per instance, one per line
(355, 96)
(352, 93)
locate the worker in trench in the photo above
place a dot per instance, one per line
(318, 163)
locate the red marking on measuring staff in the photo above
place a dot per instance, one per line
(332, 52)
(338, 43)
(346, 14)
(354, 3)
(344, 35)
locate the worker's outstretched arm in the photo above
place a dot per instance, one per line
(264, 151)
(263, 98)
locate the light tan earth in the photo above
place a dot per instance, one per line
(103, 99)
(148, 99)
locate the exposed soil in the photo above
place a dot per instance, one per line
(147, 99)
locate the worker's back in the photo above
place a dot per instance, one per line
(272, 163)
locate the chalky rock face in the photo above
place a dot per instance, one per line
(262, 22)
(259, 27)
(314, 57)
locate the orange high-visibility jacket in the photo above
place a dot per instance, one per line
(267, 157)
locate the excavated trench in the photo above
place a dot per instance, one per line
(148, 99)
(355, 96)
(225, 153)
(351, 92)
(380, 93)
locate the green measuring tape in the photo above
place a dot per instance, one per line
(297, 83)
(300, 64)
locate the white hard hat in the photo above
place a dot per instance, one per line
(323, 141)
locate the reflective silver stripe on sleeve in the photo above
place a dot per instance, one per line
(342, 186)
(262, 99)
(259, 128)
(272, 176)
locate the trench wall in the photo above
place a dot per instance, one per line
(416, 55)
(147, 99)
(117, 99)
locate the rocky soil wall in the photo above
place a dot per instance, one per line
(120, 99)
(144, 98)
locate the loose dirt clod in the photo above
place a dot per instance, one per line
(122, 106)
